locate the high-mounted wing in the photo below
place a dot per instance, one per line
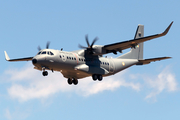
(132, 43)
(147, 61)
(19, 59)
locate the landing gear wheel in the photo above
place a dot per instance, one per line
(75, 81)
(44, 73)
(69, 81)
(94, 77)
(100, 77)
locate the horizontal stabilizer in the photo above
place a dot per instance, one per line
(19, 59)
(147, 61)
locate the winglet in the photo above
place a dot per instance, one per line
(6, 56)
(167, 29)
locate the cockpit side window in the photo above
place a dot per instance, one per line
(48, 52)
(51, 53)
(44, 52)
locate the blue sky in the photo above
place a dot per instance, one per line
(140, 92)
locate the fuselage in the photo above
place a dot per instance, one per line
(73, 65)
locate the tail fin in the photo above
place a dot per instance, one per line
(136, 51)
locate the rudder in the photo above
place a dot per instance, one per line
(136, 51)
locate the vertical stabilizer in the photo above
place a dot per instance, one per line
(136, 51)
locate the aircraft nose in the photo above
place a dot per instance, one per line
(34, 61)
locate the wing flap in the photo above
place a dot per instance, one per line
(147, 61)
(131, 43)
(19, 59)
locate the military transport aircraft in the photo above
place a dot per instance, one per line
(89, 61)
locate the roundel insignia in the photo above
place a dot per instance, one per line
(137, 46)
(123, 63)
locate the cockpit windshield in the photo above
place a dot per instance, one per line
(39, 53)
(45, 52)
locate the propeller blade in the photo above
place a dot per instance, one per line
(89, 49)
(95, 39)
(87, 41)
(80, 46)
(39, 48)
(47, 45)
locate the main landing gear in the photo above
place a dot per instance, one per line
(95, 77)
(74, 81)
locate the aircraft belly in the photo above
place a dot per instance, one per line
(74, 74)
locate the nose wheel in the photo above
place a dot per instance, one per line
(72, 81)
(44, 73)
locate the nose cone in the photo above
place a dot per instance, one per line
(34, 61)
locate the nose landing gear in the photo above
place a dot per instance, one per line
(44, 73)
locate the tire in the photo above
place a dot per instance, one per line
(75, 81)
(100, 77)
(45, 73)
(69, 81)
(94, 77)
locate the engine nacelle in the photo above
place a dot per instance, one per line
(96, 50)
(99, 50)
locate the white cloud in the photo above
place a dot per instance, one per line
(21, 74)
(30, 84)
(17, 114)
(8, 114)
(164, 81)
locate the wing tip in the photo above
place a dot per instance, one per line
(168, 57)
(6, 56)
(167, 29)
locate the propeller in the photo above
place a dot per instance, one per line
(47, 46)
(90, 47)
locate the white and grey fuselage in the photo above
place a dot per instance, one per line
(72, 65)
